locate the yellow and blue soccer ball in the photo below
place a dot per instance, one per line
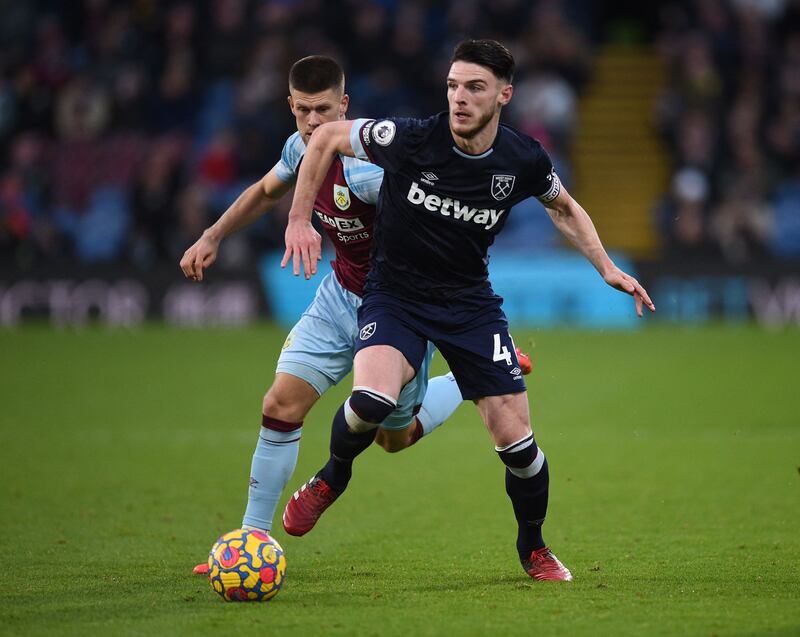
(246, 566)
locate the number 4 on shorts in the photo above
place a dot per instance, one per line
(501, 352)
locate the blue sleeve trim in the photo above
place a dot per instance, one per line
(292, 153)
(363, 179)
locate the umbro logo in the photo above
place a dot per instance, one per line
(428, 178)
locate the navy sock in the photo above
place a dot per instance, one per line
(529, 499)
(345, 446)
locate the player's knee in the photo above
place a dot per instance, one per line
(523, 458)
(366, 409)
(273, 402)
(280, 404)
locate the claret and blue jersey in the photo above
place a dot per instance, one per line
(319, 349)
(345, 205)
(440, 208)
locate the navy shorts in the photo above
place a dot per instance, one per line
(471, 334)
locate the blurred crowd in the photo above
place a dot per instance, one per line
(732, 119)
(127, 127)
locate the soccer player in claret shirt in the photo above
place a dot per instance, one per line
(450, 181)
(318, 352)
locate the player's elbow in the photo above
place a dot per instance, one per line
(332, 137)
(324, 136)
(564, 211)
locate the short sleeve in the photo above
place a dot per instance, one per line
(380, 142)
(291, 155)
(363, 179)
(545, 184)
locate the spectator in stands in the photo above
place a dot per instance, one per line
(785, 238)
(153, 200)
(733, 112)
(99, 84)
(683, 214)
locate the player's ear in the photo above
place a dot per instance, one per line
(291, 103)
(505, 94)
(343, 106)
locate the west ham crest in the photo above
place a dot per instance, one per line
(367, 331)
(341, 197)
(502, 185)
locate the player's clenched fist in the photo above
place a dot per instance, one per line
(198, 257)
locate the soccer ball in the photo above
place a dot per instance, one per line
(246, 566)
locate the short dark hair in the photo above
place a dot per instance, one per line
(488, 53)
(316, 73)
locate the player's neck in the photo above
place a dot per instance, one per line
(481, 142)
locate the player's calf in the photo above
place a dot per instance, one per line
(353, 430)
(523, 458)
(441, 399)
(394, 440)
(527, 485)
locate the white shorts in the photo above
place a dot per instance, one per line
(319, 348)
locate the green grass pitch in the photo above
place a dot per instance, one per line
(675, 494)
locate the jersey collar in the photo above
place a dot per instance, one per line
(460, 152)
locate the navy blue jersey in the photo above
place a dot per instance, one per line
(440, 208)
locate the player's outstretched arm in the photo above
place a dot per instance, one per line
(256, 200)
(575, 224)
(303, 243)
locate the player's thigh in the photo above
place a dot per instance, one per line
(507, 417)
(411, 396)
(289, 398)
(318, 352)
(381, 368)
(388, 351)
(319, 348)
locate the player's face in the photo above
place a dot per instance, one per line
(475, 96)
(312, 109)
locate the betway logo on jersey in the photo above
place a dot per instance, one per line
(342, 224)
(448, 207)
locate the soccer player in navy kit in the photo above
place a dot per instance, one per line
(450, 181)
(318, 352)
